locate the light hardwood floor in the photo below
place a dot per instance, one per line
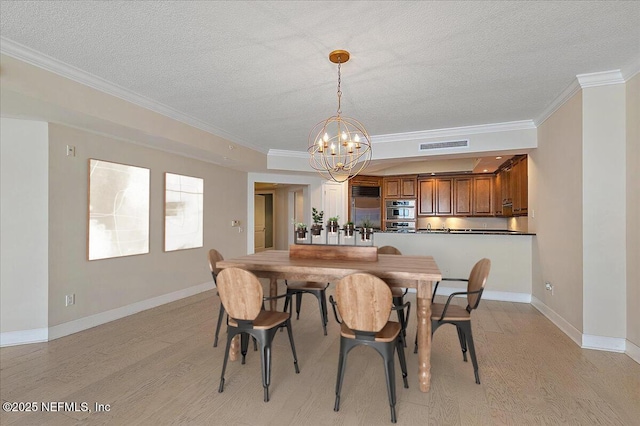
(159, 367)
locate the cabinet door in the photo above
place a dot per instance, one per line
(444, 197)
(524, 186)
(408, 187)
(515, 187)
(506, 186)
(426, 197)
(391, 187)
(482, 195)
(462, 196)
(497, 194)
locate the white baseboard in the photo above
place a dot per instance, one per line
(568, 329)
(23, 337)
(603, 343)
(91, 321)
(633, 351)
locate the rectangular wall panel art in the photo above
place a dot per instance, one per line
(118, 210)
(184, 212)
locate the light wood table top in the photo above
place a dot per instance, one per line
(398, 270)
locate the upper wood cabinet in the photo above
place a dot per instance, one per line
(483, 195)
(519, 187)
(400, 187)
(462, 190)
(435, 196)
(512, 188)
(365, 181)
(497, 195)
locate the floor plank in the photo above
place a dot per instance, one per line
(159, 367)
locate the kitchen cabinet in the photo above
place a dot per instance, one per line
(513, 182)
(497, 195)
(397, 187)
(520, 187)
(435, 197)
(462, 190)
(365, 181)
(483, 196)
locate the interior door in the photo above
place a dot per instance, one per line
(259, 223)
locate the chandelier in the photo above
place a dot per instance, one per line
(339, 147)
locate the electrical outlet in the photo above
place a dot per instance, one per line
(71, 151)
(548, 286)
(70, 299)
(235, 223)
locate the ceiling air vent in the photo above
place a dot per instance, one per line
(446, 144)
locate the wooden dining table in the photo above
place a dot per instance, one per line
(416, 272)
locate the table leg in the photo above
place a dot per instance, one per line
(273, 291)
(424, 341)
(235, 348)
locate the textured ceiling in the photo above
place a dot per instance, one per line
(258, 72)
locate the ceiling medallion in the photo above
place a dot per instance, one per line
(339, 146)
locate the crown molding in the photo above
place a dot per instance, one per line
(18, 51)
(560, 100)
(453, 132)
(603, 78)
(631, 71)
(288, 153)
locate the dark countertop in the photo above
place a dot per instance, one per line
(463, 232)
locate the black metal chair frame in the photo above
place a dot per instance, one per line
(463, 328)
(386, 351)
(265, 337)
(220, 314)
(398, 301)
(320, 294)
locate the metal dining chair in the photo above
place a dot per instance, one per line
(398, 294)
(242, 296)
(450, 313)
(364, 303)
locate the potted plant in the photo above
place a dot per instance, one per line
(366, 229)
(332, 224)
(316, 228)
(349, 229)
(301, 230)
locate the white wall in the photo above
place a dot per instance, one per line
(604, 213)
(633, 211)
(103, 286)
(555, 211)
(24, 228)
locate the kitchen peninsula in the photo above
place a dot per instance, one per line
(456, 253)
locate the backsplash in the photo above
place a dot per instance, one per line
(465, 222)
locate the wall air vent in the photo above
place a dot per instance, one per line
(445, 144)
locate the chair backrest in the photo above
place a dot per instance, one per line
(477, 281)
(240, 293)
(364, 302)
(214, 256)
(388, 250)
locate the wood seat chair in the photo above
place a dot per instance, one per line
(449, 313)
(364, 303)
(242, 296)
(215, 256)
(297, 289)
(398, 295)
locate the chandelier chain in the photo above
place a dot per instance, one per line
(339, 91)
